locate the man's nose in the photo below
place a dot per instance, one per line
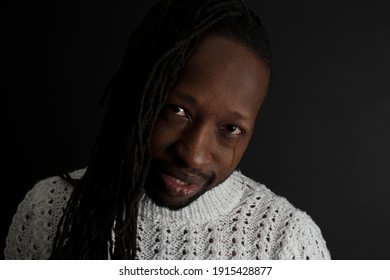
(195, 146)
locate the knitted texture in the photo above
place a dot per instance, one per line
(239, 219)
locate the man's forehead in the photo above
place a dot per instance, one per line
(224, 72)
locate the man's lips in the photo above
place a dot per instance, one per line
(177, 187)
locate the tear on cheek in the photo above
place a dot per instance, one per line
(233, 157)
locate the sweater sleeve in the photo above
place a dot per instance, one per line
(34, 225)
(302, 239)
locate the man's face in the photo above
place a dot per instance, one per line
(207, 122)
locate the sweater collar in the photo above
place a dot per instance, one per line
(212, 204)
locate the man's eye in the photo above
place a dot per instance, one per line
(232, 129)
(177, 110)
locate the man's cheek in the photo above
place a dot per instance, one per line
(162, 137)
(155, 142)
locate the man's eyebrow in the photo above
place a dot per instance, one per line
(186, 97)
(237, 115)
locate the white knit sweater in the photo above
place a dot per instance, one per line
(239, 219)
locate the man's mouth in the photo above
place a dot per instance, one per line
(178, 187)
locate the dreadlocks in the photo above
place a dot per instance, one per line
(100, 220)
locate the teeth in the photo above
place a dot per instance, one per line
(180, 182)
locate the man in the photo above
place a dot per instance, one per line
(161, 182)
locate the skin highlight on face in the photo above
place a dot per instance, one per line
(206, 124)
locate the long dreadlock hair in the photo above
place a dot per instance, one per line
(100, 219)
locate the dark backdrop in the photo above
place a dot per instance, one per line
(323, 134)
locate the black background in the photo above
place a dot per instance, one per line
(322, 138)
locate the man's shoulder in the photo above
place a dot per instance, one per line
(48, 197)
(261, 198)
(34, 224)
(54, 187)
(290, 232)
(255, 189)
